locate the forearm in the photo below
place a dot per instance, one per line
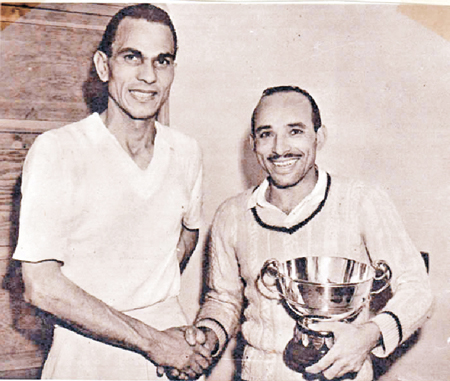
(408, 309)
(47, 288)
(386, 239)
(186, 246)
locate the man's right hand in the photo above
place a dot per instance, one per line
(183, 354)
(203, 342)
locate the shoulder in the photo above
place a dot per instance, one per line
(69, 133)
(230, 215)
(55, 147)
(182, 143)
(355, 189)
(236, 205)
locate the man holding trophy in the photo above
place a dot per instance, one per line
(301, 252)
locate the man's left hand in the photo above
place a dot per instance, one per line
(352, 345)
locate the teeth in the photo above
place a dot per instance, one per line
(142, 96)
(284, 163)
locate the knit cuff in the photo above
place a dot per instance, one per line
(218, 329)
(391, 333)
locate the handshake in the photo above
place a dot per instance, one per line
(185, 352)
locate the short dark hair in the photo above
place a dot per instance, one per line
(140, 11)
(317, 121)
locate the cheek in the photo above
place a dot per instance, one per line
(263, 147)
(166, 79)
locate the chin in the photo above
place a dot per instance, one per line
(142, 115)
(282, 184)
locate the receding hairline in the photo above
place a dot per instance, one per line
(265, 98)
(269, 92)
(148, 12)
(134, 19)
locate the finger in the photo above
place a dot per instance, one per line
(202, 350)
(201, 337)
(191, 374)
(202, 362)
(173, 372)
(194, 370)
(336, 370)
(324, 363)
(160, 371)
(191, 336)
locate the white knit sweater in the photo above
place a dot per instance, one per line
(350, 220)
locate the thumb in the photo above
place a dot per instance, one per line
(190, 335)
(200, 336)
(160, 371)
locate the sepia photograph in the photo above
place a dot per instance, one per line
(225, 191)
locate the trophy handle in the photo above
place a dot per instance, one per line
(271, 269)
(382, 273)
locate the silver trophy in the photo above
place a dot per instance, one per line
(318, 289)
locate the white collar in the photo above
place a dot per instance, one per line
(310, 202)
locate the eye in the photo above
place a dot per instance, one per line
(132, 58)
(265, 134)
(296, 131)
(163, 61)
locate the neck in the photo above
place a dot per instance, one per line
(136, 136)
(286, 199)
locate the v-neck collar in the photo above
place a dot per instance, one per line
(145, 182)
(161, 146)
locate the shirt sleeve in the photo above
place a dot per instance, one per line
(223, 302)
(386, 240)
(44, 190)
(193, 217)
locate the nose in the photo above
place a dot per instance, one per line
(280, 145)
(147, 72)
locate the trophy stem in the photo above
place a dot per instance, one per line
(306, 347)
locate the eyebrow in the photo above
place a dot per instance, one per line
(291, 125)
(263, 128)
(166, 55)
(129, 50)
(139, 54)
(299, 124)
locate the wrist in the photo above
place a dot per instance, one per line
(147, 339)
(372, 333)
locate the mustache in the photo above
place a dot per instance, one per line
(276, 156)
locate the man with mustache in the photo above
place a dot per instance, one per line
(110, 210)
(302, 211)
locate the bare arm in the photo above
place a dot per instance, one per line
(47, 288)
(186, 246)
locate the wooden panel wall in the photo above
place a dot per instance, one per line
(45, 62)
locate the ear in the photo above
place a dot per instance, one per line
(251, 141)
(101, 65)
(322, 134)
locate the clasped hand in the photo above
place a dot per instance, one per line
(188, 355)
(353, 343)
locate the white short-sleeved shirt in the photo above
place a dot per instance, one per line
(114, 226)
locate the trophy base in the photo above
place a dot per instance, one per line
(306, 348)
(298, 357)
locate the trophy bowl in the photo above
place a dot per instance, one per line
(320, 289)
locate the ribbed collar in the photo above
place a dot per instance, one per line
(272, 215)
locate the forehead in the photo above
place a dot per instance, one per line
(145, 36)
(284, 108)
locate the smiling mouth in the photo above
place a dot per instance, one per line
(284, 163)
(142, 95)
